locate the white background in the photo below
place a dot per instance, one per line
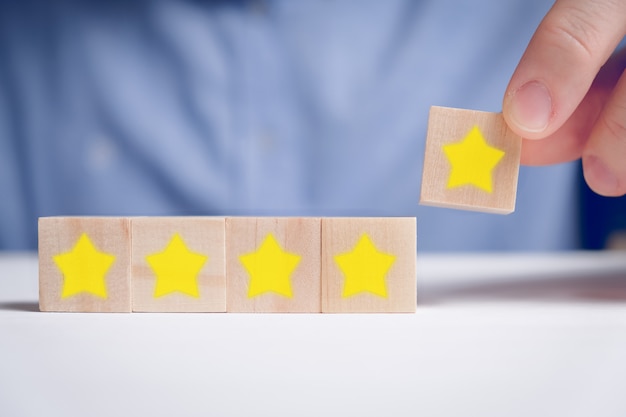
(494, 335)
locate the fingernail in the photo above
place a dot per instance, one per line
(531, 107)
(599, 177)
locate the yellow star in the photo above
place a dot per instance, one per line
(270, 268)
(84, 269)
(472, 161)
(176, 269)
(365, 269)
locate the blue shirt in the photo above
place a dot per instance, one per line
(264, 108)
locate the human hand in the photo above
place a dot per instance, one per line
(569, 91)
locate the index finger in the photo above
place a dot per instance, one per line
(563, 57)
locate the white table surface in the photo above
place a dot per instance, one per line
(494, 335)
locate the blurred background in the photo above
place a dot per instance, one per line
(284, 107)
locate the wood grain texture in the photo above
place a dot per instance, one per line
(391, 236)
(446, 126)
(295, 236)
(60, 235)
(202, 237)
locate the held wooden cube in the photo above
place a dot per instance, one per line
(84, 264)
(178, 264)
(273, 264)
(368, 265)
(471, 162)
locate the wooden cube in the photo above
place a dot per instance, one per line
(179, 264)
(471, 162)
(273, 264)
(84, 264)
(368, 265)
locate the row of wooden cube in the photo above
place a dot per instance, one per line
(317, 283)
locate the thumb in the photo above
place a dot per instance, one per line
(563, 57)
